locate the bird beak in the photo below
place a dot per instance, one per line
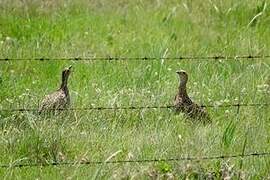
(69, 68)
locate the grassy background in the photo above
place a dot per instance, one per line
(134, 28)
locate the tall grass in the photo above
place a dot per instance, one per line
(134, 29)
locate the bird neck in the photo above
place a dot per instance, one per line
(64, 88)
(182, 88)
(64, 82)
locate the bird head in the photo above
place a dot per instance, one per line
(66, 71)
(182, 74)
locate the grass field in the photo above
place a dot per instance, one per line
(134, 29)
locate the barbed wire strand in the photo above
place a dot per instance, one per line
(134, 107)
(204, 158)
(145, 58)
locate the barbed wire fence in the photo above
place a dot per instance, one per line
(144, 58)
(100, 108)
(155, 160)
(140, 161)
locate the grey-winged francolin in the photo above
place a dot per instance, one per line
(59, 99)
(184, 104)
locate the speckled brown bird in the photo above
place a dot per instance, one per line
(59, 99)
(184, 104)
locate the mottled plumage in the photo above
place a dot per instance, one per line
(59, 99)
(184, 104)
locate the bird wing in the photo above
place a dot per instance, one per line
(53, 101)
(198, 112)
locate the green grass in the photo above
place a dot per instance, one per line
(134, 29)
